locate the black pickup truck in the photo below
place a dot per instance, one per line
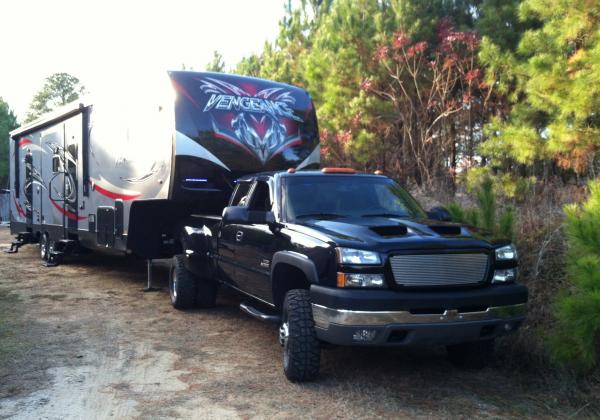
(348, 258)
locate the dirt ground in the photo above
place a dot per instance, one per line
(83, 341)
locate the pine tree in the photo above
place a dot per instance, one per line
(576, 339)
(553, 82)
(8, 122)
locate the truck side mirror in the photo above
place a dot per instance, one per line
(235, 215)
(439, 213)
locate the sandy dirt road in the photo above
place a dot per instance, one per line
(83, 341)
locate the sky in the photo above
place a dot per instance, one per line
(106, 42)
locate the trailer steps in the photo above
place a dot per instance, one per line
(23, 238)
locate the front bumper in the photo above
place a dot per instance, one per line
(393, 318)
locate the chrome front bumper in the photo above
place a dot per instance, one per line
(324, 316)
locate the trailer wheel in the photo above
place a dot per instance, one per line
(182, 285)
(297, 336)
(44, 247)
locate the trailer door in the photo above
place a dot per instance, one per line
(52, 152)
(34, 154)
(72, 172)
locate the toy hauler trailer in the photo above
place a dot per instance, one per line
(121, 175)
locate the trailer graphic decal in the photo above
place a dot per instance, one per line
(24, 142)
(261, 122)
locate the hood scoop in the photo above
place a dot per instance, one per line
(446, 230)
(389, 231)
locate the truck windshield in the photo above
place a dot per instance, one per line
(333, 196)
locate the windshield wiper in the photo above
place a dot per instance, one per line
(385, 215)
(320, 215)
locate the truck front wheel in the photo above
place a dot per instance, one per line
(297, 336)
(472, 355)
(182, 285)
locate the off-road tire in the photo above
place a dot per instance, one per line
(472, 355)
(183, 285)
(206, 293)
(301, 349)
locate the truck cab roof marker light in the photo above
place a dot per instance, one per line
(338, 171)
(378, 172)
(291, 171)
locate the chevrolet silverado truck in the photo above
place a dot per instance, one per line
(346, 258)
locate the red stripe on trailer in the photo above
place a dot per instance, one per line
(67, 213)
(19, 208)
(24, 142)
(114, 195)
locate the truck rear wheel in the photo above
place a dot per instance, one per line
(297, 336)
(472, 355)
(182, 285)
(206, 293)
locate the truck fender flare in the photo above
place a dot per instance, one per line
(196, 247)
(300, 261)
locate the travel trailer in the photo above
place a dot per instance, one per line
(119, 174)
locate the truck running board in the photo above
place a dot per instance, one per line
(256, 313)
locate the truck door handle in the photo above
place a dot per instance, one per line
(239, 236)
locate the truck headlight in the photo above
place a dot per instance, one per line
(357, 256)
(508, 252)
(360, 280)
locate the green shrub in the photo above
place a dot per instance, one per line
(486, 214)
(508, 185)
(576, 339)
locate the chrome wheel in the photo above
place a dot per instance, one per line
(284, 333)
(173, 285)
(44, 247)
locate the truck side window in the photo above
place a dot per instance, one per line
(261, 198)
(240, 197)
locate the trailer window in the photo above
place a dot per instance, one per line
(240, 196)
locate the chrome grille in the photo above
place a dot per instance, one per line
(418, 270)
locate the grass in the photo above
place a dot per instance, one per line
(10, 344)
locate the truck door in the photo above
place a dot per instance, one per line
(255, 247)
(227, 243)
